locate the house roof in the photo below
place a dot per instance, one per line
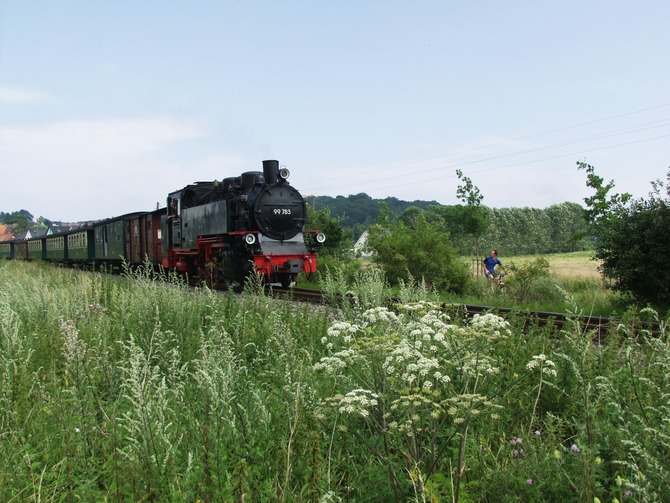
(7, 229)
(57, 229)
(35, 233)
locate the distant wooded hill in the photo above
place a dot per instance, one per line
(359, 211)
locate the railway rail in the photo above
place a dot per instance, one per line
(597, 326)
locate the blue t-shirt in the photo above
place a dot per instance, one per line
(491, 263)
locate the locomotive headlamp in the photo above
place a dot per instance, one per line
(284, 173)
(320, 237)
(250, 238)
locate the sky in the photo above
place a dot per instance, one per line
(107, 106)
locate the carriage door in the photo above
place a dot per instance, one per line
(135, 240)
(105, 242)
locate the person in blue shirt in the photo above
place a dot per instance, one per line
(489, 265)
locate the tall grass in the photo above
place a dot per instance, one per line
(140, 389)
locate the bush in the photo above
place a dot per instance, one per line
(631, 238)
(421, 251)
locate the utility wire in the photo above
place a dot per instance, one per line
(661, 123)
(534, 161)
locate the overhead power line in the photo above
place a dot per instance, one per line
(661, 123)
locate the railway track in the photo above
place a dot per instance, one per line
(298, 294)
(598, 326)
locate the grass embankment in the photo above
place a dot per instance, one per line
(141, 390)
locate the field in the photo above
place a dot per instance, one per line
(562, 282)
(568, 266)
(139, 389)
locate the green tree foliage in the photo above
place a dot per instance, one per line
(466, 223)
(530, 231)
(360, 211)
(567, 226)
(631, 237)
(526, 278)
(337, 239)
(44, 223)
(22, 218)
(410, 244)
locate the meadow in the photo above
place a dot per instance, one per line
(138, 388)
(573, 266)
(552, 282)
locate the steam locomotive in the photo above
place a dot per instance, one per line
(218, 232)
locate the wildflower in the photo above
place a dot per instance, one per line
(574, 448)
(357, 402)
(494, 325)
(530, 482)
(538, 433)
(545, 365)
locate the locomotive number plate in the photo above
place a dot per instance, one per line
(282, 211)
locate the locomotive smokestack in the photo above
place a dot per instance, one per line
(270, 170)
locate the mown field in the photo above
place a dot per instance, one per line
(567, 266)
(563, 266)
(138, 389)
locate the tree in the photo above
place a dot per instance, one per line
(568, 227)
(22, 218)
(631, 237)
(420, 249)
(473, 215)
(337, 240)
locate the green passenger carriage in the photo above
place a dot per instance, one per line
(20, 250)
(5, 250)
(113, 238)
(55, 245)
(81, 245)
(36, 249)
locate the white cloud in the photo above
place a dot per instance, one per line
(103, 141)
(80, 170)
(20, 96)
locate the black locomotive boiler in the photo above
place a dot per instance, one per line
(253, 223)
